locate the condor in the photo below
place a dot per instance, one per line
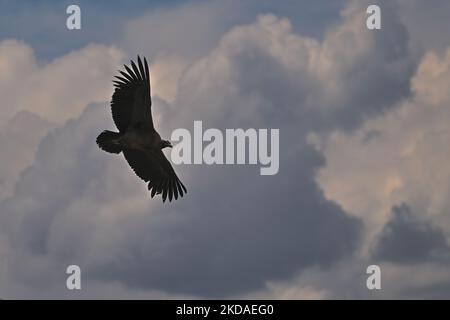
(137, 138)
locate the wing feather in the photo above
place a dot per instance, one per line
(126, 75)
(131, 101)
(136, 71)
(141, 68)
(154, 168)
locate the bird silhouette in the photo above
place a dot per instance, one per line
(137, 138)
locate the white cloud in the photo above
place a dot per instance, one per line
(75, 203)
(79, 214)
(38, 96)
(59, 90)
(398, 157)
(19, 140)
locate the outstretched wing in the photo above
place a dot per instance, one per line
(154, 168)
(131, 102)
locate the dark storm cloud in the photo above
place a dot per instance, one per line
(235, 230)
(425, 20)
(404, 239)
(435, 291)
(373, 68)
(238, 229)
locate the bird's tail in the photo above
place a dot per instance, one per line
(107, 141)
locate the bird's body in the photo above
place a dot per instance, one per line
(142, 139)
(137, 138)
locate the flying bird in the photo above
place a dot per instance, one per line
(137, 138)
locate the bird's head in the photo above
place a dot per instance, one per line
(166, 144)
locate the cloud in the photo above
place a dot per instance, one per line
(221, 240)
(399, 157)
(291, 290)
(18, 147)
(363, 72)
(403, 161)
(172, 47)
(433, 69)
(39, 96)
(48, 90)
(89, 209)
(237, 234)
(424, 21)
(406, 240)
(333, 85)
(187, 30)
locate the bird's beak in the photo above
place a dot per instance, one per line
(170, 145)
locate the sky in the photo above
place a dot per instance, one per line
(363, 180)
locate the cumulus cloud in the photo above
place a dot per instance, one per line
(38, 96)
(196, 30)
(424, 21)
(19, 146)
(91, 210)
(397, 157)
(221, 240)
(49, 90)
(407, 240)
(400, 157)
(173, 46)
(351, 74)
(236, 234)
